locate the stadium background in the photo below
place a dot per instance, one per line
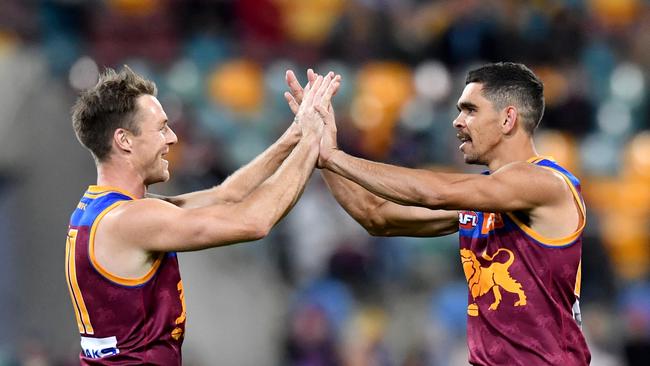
(319, 287)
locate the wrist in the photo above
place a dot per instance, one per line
(291, 136)
(330, 162)
(310, 138)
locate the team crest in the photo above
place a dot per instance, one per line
(495, 277)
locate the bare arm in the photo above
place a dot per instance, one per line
(517, 186)
(241, 183)
(381, 217)
(154, 225)
(377, 215)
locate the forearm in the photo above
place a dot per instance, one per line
(381, 217)
(278, 194)
(359, 203)
(241, 183)
(404, 186)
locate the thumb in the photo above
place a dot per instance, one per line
(293, 104)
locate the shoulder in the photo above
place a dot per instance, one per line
(530, 173)
(545, 184)
(140, 211)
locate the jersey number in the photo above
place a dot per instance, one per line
(177, 333)
(80, 310)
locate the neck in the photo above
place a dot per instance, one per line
(510, 153)
(121, 176)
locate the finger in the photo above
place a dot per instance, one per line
(323, 87)
(311, 75)
(293, 105)
(337, 89)
(331, 90)
(294, 86)
(309, 97)
(310, 82)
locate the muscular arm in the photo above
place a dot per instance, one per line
(241, 183)
(377, 215)
(381, 217)
(154, 225)
(517, 186)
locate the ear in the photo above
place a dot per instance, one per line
(122, 139)
(509, 122)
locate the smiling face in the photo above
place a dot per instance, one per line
(151, 145)
(478, 125)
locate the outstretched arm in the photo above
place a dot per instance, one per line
(377, 215)
(153, 225)
(242, 182)
(381, 217)
(514, 187)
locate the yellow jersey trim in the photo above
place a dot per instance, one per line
(556, 242)
(80, 309)
(576, 289)
(538, 158)
(112, 277)
(100, 191)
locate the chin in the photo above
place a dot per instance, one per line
(163, 177)
(472, 160)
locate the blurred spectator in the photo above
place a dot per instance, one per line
(219, 66)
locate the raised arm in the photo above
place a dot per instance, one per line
(377, 215)
(241, 183)
(517, 186)
(381, 217)
(543, 196)
(154, 225)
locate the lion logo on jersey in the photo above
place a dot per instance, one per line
(494, 277)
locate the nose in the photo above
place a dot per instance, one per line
(171, 138)
(458, 122)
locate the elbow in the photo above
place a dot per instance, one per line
(262, 222)
(375, 225)
(376, 232)
(259, 229)
(263, 231)
(255, 224)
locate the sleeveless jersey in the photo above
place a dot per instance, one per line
(121, 321)
(523, 288)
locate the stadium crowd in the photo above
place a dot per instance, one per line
(335, 295)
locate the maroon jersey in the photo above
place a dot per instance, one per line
(523, 288)
(122, 321)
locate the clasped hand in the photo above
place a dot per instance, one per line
(313, 109)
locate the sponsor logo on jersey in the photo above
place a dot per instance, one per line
(491, 221)
(99, 347)
(467, 219)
